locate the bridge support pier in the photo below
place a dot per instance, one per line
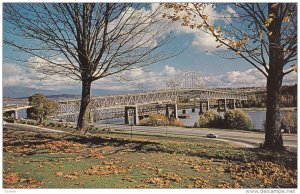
(204, 106)
(222, 102)
(174, 112)
(242, 103)
(233, 104)
(135, 115)
(91, 117)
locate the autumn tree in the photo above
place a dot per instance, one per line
(41, 108)
(263, 34)
(86, 41)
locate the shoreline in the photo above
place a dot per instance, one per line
(264, 109)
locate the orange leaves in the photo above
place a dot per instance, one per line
(200, 182)
(269, 33)
(59, 145)
(164, 179)
(106, 170)
(94, 153)
(197, 168)
(12, 180)
(204, 17)
(171, 176)
(59, 174)
(286, 19)
(128, 178)
(159, 182)
(72, 175)
(293, 181)
(107, 162)
(269, 21)
(266, 172)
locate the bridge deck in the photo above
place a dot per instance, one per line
(72, 106)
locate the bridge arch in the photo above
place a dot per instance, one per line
(186, 80)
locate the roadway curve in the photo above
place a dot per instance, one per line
(30, 127)
(244, 138)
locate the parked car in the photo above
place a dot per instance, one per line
(212, 135)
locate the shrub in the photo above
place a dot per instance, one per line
(31, 123)
(237, 119)
(60, 124)
(23, 121)
(9, 120)
(144, 122)
(158, 120)
(210, 118)
(289, 123)
(45, 123)
(176, 122)
(52, 124)
(41, 108)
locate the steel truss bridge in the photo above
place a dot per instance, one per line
(191, 86)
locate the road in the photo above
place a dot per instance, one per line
(29, 127)
(244, 138)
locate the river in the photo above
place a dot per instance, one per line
(257, 117)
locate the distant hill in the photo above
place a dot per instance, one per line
(22, 92)
(62, 96)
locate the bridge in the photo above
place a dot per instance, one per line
(188, 85)
(11, 110)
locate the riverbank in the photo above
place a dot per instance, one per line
(264, 109)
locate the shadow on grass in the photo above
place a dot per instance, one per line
(122, 144)
(287, 159)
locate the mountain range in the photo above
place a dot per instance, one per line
(25, 92)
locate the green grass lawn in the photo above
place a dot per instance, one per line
(111, 160)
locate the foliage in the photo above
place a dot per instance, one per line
(210, 118)
(237, 119)
(160, 120)
(289, 123)
(9, 120)
(176, 122)
(42, 107)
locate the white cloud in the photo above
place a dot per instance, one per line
(169, 70)
(248, 78)
(15, 75)
(203, 41)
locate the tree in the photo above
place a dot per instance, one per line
(41, 108)
(86, 41)
(264, 35)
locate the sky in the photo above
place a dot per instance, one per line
(198, 56)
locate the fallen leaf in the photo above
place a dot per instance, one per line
(59, 174)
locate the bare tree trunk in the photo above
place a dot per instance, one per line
(83, 118)
(273, 137)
